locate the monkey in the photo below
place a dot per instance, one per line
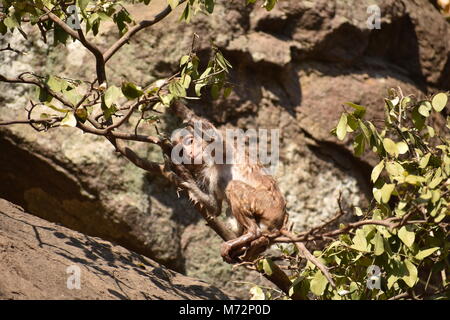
(252, 195)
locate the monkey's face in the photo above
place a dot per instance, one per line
(187, 146)
(193, 148)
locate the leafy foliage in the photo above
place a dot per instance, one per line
(91, 15)
(404, 232)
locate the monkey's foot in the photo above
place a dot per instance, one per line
(225, 251)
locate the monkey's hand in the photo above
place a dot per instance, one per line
(202, 198)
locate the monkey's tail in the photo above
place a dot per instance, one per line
(310, 257)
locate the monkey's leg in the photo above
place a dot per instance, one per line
(241, 198)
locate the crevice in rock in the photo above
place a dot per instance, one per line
(31, 181)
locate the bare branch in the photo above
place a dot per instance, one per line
(8, 48)
(100, 62)
(310, 257)
(31, 121)
(21, 80)
(306, 236)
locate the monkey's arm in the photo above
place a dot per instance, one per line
(198, 196)
(187, 181)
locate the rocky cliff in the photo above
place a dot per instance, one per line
(41, 260)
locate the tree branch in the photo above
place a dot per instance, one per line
(21, 80)
(100, 61)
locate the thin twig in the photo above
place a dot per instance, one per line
(140, 26)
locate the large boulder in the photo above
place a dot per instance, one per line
(292, 69)
(43, 260)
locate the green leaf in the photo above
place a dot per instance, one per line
(11, 22)
(121, 19)
(379, 244)
(209, 5)
(390, 146)
(269, 4)
(358, 211)
(425, 253)
(186, 80)
(173, 3)
(57, 84)
(377, 194)
(108, 112)
(424, 110)
(214, 91)
(402, 147)
(112, 95)
(187, 13)
(177, 89)
(418, 119)
(257, 293)
(3, 28)
(222, 61)
(72, 95)
(431, 131)
(394, 169)
(166, 99)
(365, 130)
(184, 60)
(198, 88)
(413, 179)
(360, 110)
(51, 106)
(205, 74)
(411, 278)
(391, 281)
(318, 284)
(437, 179)
(69, 120)
(377, 171)
(82, 4)
(299, 287)
(131, 91)
(424, 161)
(59, 35)
(341, 129)
(267, 265)
(360, 241)
(406, 236)
(227, 91)
(439, 101)
(359, 145)
(386, 192)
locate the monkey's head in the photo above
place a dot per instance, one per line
(194, 146)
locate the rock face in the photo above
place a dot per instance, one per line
(40, 260)
(292, 69)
